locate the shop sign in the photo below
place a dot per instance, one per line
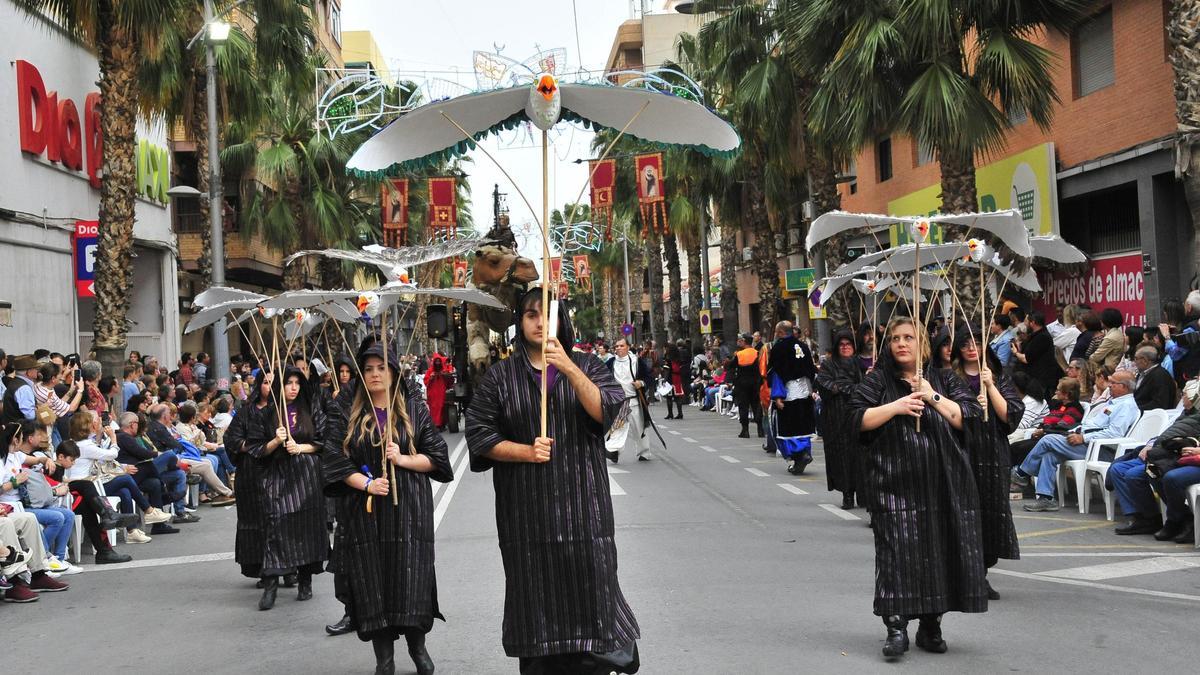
(1110, 281)
(1026, 181)
(83, 249)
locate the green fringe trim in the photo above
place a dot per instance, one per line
(438, 159)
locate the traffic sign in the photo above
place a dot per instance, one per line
(797, 280)
(705, 322)
(627, 329)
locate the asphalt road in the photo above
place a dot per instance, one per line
(731, 565)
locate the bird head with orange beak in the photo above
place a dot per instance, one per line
(545, 102)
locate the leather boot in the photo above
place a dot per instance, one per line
(897, 636)
(929, 634)
(420, 655)
(343, 626)
(270, 588)
(305, 591)
(745, 431)
(385, 653)
(110, 519)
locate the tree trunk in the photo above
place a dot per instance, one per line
(958, 196)
(654, 268)
(825, 198)
(697, 289)
(637, 285)
(676, 329)
(729, 297)
(1184, 38)
(199, 129)
(606, 311)
(117, 52)
(765, 262)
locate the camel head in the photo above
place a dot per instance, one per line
(495, 265)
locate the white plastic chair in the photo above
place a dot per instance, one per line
(1150, 424)
(1194, 500)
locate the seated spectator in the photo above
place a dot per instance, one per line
(93, 397)
(1133, 340)
(164, 436)
(97, 460)
(18, 466)
(222, 417)
(166, 462)
(21, 537)
(1114, 421)
(93, 509)
(1034, 398)
(1175, 458)
(1081, 371)
(1101, 394)
(1063, 415)
(194, 425)
(1154, 387)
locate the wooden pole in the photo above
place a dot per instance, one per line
(386, 467)
(981, 343)
(545, 270)
(917, 315)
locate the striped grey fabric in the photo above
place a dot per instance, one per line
(554, 520)
(249, 540)
(294, 533)
(987, 446)
(923, 503)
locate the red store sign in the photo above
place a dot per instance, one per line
(53, 127)
(1109, 281)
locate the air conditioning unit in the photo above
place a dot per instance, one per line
(794, 236)
(780, 243)
(747, 254)
(809, 210)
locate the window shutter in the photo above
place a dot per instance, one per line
(1094, 54)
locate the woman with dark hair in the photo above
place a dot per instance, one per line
(837, 379)
(677, 371)
(986, 443)
(1033, 396)
(553, 509)
(384, 551)
(1091, 333)
(942, 349)
(291, 483)
(1112, 344)
(1065, 414)
(921, 490)
(257, 417)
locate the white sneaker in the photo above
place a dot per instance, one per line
(153, 516)
(72, 569)
(53, 564)
(136, 537)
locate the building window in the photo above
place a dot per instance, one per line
(1017, 115)
(852, 172)
(883, 159)
(1092, 52)
(924, 153)
(335, 22)
(1103, 222)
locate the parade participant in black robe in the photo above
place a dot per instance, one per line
(923, 501)
(837, 379)
(792, 361)
(296, 541)
(941, 356)
(987, 446)
(258, 414)
(563, 608)
(384, 557)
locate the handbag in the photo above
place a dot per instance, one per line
(665, 389)
(37, 493)
(106, 470)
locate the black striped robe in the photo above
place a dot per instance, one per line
(249, 541)
(386, 557)
(923, 502)
(294, 530)
(836, 381)
(987, 446)
(554, 520)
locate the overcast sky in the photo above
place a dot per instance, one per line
(437, 37)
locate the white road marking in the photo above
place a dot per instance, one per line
(707, 449)
(1093, 584)
(731, 460)
(689, 440)
(440, 511)
(161, 562)
(840, 513)
(1113, 554)
(756, 472)
(612, 470)
(438, 487)
(614, 489)
(792, 488)
(672, 431)
(1127, 568)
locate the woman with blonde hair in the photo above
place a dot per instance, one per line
(920, 489)
(1081, 371)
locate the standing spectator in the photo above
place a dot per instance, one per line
(92, 398)
(1001, 344)
(1154, 387)
(19, 401)
(1090, 330)
(677, 371)
(3, 377)
(1067, 335)
(1186, 352)
(186, 375)
(746, 381)
(129, 387)
(200, 371)
(1112, 345)
(1036, 357)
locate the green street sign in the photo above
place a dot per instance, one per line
(798, 280)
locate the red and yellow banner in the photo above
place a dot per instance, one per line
(443, 211)
(583, 272)
(393, 211)
(603, 179)
(651, 192)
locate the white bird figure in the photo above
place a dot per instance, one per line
(545, 102)
(397, 275)
(368, 304)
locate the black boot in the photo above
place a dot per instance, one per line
(897, 636)
(929, 634)
(420, 655)
(343, 626)
(305, 591)
(745, 431)
(289, 580)
(385, 653)
(270, 588)
(993, 594)
(847, 500)
(109, 518)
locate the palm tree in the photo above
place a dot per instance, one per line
(173, 78)
(118, 32)
(1185, 60)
